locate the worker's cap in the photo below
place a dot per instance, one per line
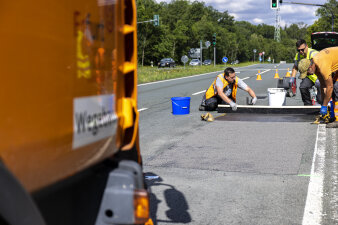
(303, 66)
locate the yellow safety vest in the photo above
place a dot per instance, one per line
(212, 90)
(310, 54)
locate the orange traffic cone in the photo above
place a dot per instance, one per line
(276, 75)
(288, 73)
(259, 77)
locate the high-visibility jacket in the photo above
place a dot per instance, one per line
(212, 90)
(310, 54)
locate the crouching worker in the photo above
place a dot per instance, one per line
(325, 65)
(223, 91)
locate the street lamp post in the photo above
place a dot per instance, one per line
(254, 51)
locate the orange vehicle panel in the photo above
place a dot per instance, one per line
(46, 64)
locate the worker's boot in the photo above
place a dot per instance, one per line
(205, 116)
(210, 118)
(201, 108)
(332, 125)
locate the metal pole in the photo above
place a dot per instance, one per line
(332, 19)
(201, 48)
(214, 56)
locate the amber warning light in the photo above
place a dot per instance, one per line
(141, 207)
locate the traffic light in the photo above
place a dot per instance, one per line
(214, 39)
(274, 4)
(156, 20)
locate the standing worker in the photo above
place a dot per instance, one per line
(325, 65)
(304, 52)
(224, 90)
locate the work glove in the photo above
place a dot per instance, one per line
(233, 106)
(253, 101)
(323, 110)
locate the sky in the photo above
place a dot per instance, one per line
(258, 11)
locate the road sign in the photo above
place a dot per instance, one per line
(225, 59)
(156, 20)
(207, 44)
(184, 59)
(195, 53)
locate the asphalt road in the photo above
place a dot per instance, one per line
(235, 172)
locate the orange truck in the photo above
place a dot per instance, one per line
(69, 149)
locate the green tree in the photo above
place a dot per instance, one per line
(296, 31)
(183, 23)
(326, 13)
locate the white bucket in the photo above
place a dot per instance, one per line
(276, 96)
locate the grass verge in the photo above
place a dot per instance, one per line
(148, 74)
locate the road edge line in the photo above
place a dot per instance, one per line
(313, 210)
(197, 75)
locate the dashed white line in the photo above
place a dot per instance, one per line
(199, 92)
(245, 78)
(265, 71)
(142, 109)
(313, 207)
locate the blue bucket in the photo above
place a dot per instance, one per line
(181, 105)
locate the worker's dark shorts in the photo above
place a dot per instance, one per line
(335, 91)
(212, 103)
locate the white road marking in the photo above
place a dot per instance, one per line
(142, 109)
(245, 78)
(334, 199)
(199, 92)
(265, 71)
(313, 208)
(156, 82)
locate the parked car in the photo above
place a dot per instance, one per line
(195, 62)
(234, 62)
(167, 62)
(207, 62)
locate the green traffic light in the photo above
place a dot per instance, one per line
(274, 5)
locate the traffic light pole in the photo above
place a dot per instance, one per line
(332, 15)
(201, 50)
(214, 55)
(214, 43)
